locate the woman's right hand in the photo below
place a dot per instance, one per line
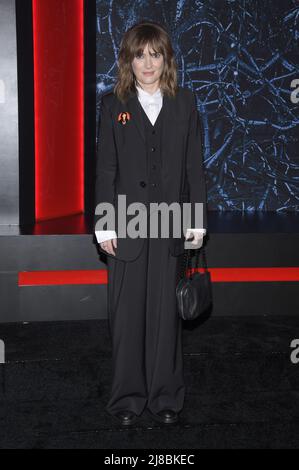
(109, 246)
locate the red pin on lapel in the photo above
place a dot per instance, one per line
(124, 117)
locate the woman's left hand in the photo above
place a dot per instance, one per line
(198, 237)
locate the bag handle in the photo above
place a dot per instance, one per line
(186, 264)
(197, 254)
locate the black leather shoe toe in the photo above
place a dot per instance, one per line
(166, 416)
(126, 417)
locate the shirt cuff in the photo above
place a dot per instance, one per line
(199, 230)
(104, 235)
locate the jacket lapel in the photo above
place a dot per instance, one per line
(168, 134)
(136, 113)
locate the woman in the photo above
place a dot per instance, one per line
(150, 151)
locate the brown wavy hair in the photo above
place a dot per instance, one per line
(133, 43)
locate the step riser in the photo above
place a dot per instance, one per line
(86, 302)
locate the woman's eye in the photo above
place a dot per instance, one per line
(156, 55)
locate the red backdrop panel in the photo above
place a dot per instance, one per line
(58, 29)
(47, 278)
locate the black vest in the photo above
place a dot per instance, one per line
(153, 134)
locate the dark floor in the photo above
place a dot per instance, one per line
(242, 388)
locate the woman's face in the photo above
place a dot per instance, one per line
(149, 61)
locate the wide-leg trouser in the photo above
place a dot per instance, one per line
(147, 358)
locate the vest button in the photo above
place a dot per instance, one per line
(153, 132)
(142, 184)
(154, 167)
(153, 149)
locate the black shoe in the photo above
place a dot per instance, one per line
(126, 417)
(165, 416)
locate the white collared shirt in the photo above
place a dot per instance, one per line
(152, 104)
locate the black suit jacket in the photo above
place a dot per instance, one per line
(122, 161)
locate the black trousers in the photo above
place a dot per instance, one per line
(145, 331)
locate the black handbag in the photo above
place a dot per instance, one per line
(194, 291)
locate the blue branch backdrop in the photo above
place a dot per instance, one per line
(240, 57)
